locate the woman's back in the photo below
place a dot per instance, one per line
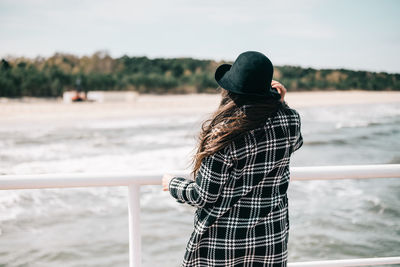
(240, 193)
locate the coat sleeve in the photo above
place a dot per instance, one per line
(299, 138)
(205, 189)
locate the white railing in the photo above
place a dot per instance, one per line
(135, 179)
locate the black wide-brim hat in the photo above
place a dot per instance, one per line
(250, 74)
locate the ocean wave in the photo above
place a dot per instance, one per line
(366, 123)
(326, 142)
(140, 122)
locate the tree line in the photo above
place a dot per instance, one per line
(50, 77)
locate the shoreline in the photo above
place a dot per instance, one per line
(29, 110)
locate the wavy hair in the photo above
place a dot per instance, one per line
(235, 116)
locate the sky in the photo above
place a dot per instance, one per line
(352, 34)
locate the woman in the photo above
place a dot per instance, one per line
(241, 171)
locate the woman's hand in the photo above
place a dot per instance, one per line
(281, 89)
(165, 181)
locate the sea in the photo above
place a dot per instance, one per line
(337, 219)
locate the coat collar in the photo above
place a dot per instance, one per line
(246, 107)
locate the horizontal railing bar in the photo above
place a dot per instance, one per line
(347, 263)
(346, 172)
(66, 180)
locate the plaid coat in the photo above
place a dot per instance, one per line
(242, 214)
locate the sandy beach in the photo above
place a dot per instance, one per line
(39, 110)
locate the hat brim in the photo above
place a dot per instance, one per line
(272, 93)
(221, 70)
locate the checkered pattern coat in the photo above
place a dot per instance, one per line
(240, 195)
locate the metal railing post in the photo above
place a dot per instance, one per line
(135, 259)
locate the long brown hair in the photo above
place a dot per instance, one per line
(236, 115)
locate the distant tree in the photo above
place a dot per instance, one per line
(5, 65)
